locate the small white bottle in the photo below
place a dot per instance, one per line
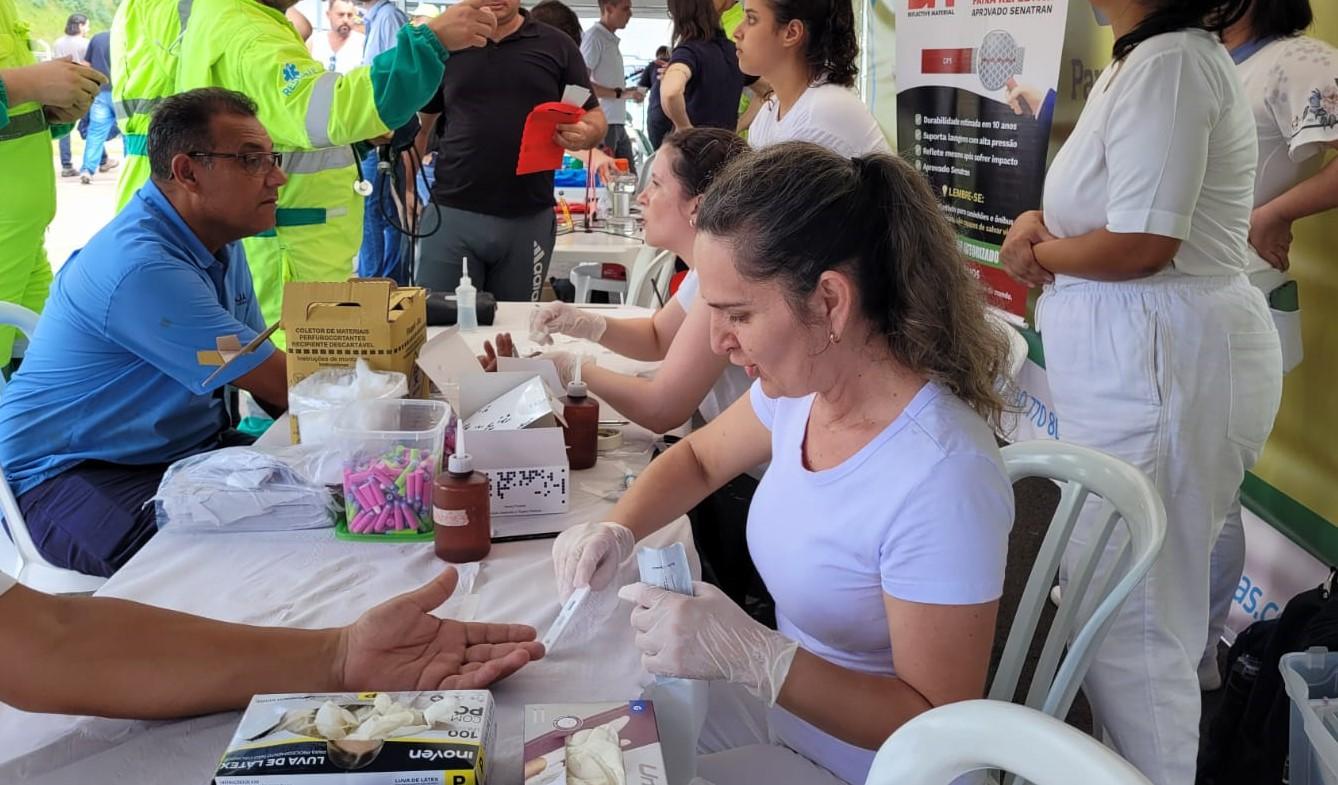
(466, 314)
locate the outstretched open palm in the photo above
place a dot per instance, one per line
(400, 645)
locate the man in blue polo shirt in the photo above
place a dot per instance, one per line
(112, 390)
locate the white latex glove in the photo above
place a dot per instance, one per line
(566, 363)
(589, 555)
(707, 637)
(564, 319)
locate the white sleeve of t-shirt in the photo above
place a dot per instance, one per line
(949, 541)
(687, 291)
(1303, 97)
(839, 121)
(1156, 138)
(763, 407)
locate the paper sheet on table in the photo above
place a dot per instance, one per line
(538, 151)
(546, 369)
(518, 408)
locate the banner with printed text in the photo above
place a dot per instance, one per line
(976, 88)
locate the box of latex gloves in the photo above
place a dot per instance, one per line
(397, 738)
(593, 744)
(512, 428)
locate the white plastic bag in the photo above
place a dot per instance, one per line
(246, 489)
(314, 403)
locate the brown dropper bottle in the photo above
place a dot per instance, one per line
(581, 433)
(461, 508)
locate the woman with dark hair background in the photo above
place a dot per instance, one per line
(702, 83)
(807, 51)
(1158, 351)
(1291, 83)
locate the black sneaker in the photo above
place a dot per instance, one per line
(69, 172)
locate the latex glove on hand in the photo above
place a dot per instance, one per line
(566, 363)
(708, 637)
(589, 555)
(564, 319)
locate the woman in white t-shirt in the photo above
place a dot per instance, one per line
(1157, 349)
(806, 50)
(881, 524)
(1291, 83)
(691, 377)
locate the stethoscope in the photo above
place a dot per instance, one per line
(362, 186)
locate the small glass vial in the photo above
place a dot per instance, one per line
(462, 512)
(581, 433)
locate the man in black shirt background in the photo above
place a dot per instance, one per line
(502, 222)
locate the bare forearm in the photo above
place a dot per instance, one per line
(640, 400)
(601, 91)
(635, 338)
(862, 709)
(109, 657)
(1311, 196)
(675, 107)
(672, 484)
(19, 87)
(1103, 255)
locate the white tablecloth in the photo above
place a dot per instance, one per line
(311, 579)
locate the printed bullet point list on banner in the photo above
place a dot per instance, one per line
(975, 101)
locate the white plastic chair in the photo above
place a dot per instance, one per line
(649, 279)
(643, 172)
(586, 279)
(34, 571)
(942, 744)
(1129, 501)
(650, 273)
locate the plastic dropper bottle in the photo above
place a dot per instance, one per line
(461, 508)
(581, 433)
(466, 312)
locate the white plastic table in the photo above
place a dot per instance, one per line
(578, 247)
(311, 579)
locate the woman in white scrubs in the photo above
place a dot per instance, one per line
(691, 376)
(1291, 83)
(881, 524)
(1157, 349)
(807, 51)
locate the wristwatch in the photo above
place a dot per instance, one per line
(617, 92)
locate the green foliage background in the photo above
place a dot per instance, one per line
(47, 17)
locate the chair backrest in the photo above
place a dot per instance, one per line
(1127, 506)
(33, 570)
(643, 173)
(649, 278)
(944, 743)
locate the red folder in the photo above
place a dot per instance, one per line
(538, 151)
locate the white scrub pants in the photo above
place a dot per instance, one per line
(1228, 564)
(1181, 377)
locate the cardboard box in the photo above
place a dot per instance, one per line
(277, 742)
(554, 731)
(528, 468)
(332, 324)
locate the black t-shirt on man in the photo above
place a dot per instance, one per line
(485, 96)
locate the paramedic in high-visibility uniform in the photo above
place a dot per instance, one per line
(32, 95)
(162, 47)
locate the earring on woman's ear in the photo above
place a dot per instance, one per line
(833, 337)
(693, 222)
